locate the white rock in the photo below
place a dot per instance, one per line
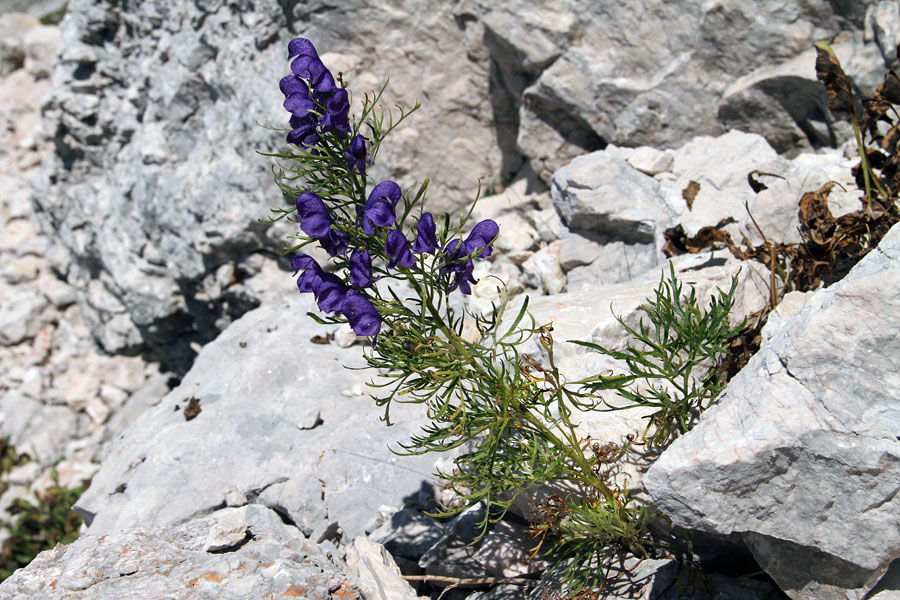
(378, 575)
(542, 270)
(801, 455)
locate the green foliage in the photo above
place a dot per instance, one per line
(9, 458)
(511, 418)
(37, 525)
(663, 359)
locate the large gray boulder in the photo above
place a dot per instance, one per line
(801, 455)
(282, 422)
(585, 74)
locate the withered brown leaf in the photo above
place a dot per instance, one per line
(192, 409)
(837, 84)
(755, 184)
(690, 192)
(890, 88)
(816, 221)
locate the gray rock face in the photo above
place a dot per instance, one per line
(655, 73)
(606, 196)
(154, 190)
(242, 553)
(155, 186)
(811, 479)
(281, 422)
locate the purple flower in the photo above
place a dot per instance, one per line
(361, 313)
(309, 66)
(397, 248)
(360, 268)
(299, 104)
(379, 208)
(463, 279)
(426, 240)
(309, 91)
(337, 111)
(356, 155)
(315, 220)
(460, 271)
(303, 131)
(481, 237)
(335, 242)
(330, 293)
(311, 278)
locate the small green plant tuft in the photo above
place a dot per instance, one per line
(663, 359)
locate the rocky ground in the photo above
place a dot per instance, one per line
(60, 397)
(262, 465)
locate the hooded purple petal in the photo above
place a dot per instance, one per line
(337, 113)
(315, 220)
(426, 240)
(301, 47)
(377, 212)
(387, 189)
(302, 261)
(482, 235)
(361, 313)
(330, 293)
(356, 155)
(299, 104)
(397, 248)
(311, 278)
(335, 242)
(360, 268)
(291, 84)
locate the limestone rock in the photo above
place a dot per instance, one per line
(800, 455)
(606, 196)
(543, 272)
(378, 575)
(255, 386)
(233, 554)
(653, 73)
(154, 114)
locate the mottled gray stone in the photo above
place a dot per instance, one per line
(654, 72)
(376, 572)
(154, 116)
(408, 533)
(801, 455)
(604, 195)
(233, 554)
(154, 109)
(256, 384)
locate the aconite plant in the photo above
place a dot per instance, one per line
(511, 419)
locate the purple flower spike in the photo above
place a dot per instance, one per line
(426, 240)
(336, 242)
(330, 293)
(397, 248)
(315, 220)
(361, 313)
(356, 155)
(360, 268)
(482, 235)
